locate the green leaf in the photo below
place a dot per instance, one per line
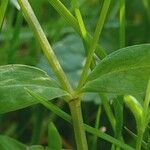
(13, 81)
(54, 140)
(7, 143)
(3, 7)
(125, 71)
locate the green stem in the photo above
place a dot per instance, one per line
(47, 49)
(82, 29)
(108, 111)
(139, 140)
(70, 19)
(94, 42)
(77, 120)
(122, 23)
(143, 124)
(79, 19)
(97, 122)
(146, 4)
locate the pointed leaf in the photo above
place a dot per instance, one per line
(13, 81)
(7, 143)
(3, 7)
(54, 140)
(125, 71)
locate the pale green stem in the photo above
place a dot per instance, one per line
(97, 122)
(144, 122)
(79, 19)
(82, 28)
(139, 140)
(94, 42)
(63, 11)
(77, 120)
(108, 111)
(47, 49)
(122, 23)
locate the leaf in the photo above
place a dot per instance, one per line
(3, 7)
(13, 81)
(125, 71)
(54, 140)
(7, 143)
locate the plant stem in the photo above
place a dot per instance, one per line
(68, 118)
(97, 122)
(83, 32)
(63, 11)
(122, 23)
(139, 140)
(94, 42)
(79, 18)
(108, 111)
(47, 49)
(77, 120)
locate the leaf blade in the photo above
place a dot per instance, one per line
(13, 81)
(125, 71)
(54, 140)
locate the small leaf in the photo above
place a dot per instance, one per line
(54, 140)
(13, 81)
(125, 71)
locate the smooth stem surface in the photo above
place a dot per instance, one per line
(122, 23)
(139, 140)
(97, 122)
(79, 18)
(82, 28)
(146, 103)
(143, 124)
(77, 120)
(108, 111)
(94, 42)
(47, 49)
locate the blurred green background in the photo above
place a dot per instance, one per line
(19, 46)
